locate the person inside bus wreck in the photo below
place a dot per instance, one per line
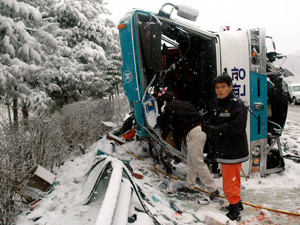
(228, 132)
(185, 121)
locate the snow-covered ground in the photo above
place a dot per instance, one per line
(276, 191)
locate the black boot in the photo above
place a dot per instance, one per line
(241, 207)
(234, 212)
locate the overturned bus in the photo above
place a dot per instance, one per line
(160, 51)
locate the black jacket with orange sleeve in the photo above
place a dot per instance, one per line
(229, 131)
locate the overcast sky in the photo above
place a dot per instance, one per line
(281, 18)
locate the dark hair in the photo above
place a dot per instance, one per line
(224, 78)
(167, 96)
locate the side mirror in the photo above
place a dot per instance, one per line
(187, 12)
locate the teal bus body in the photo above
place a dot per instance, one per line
(131, 69)
(231, 52)
(259, 118)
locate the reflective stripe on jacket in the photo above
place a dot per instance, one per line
(230, 117)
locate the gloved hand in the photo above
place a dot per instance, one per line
(211, 130)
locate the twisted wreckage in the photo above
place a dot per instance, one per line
(160, 51)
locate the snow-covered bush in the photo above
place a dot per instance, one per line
(39, 142)
(56, 51)
(81, 122)
(49, 141)
(120, 108)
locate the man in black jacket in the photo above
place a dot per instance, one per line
(186, 122)
(231, 147)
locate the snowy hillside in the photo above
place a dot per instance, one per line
(277, 191)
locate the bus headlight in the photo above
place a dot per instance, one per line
(256, 151)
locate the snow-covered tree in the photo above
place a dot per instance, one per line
(93, 47)
(56, 50)
(23, 41)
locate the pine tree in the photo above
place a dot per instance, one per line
(93, 48)
(60, 51)
(23, 41)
